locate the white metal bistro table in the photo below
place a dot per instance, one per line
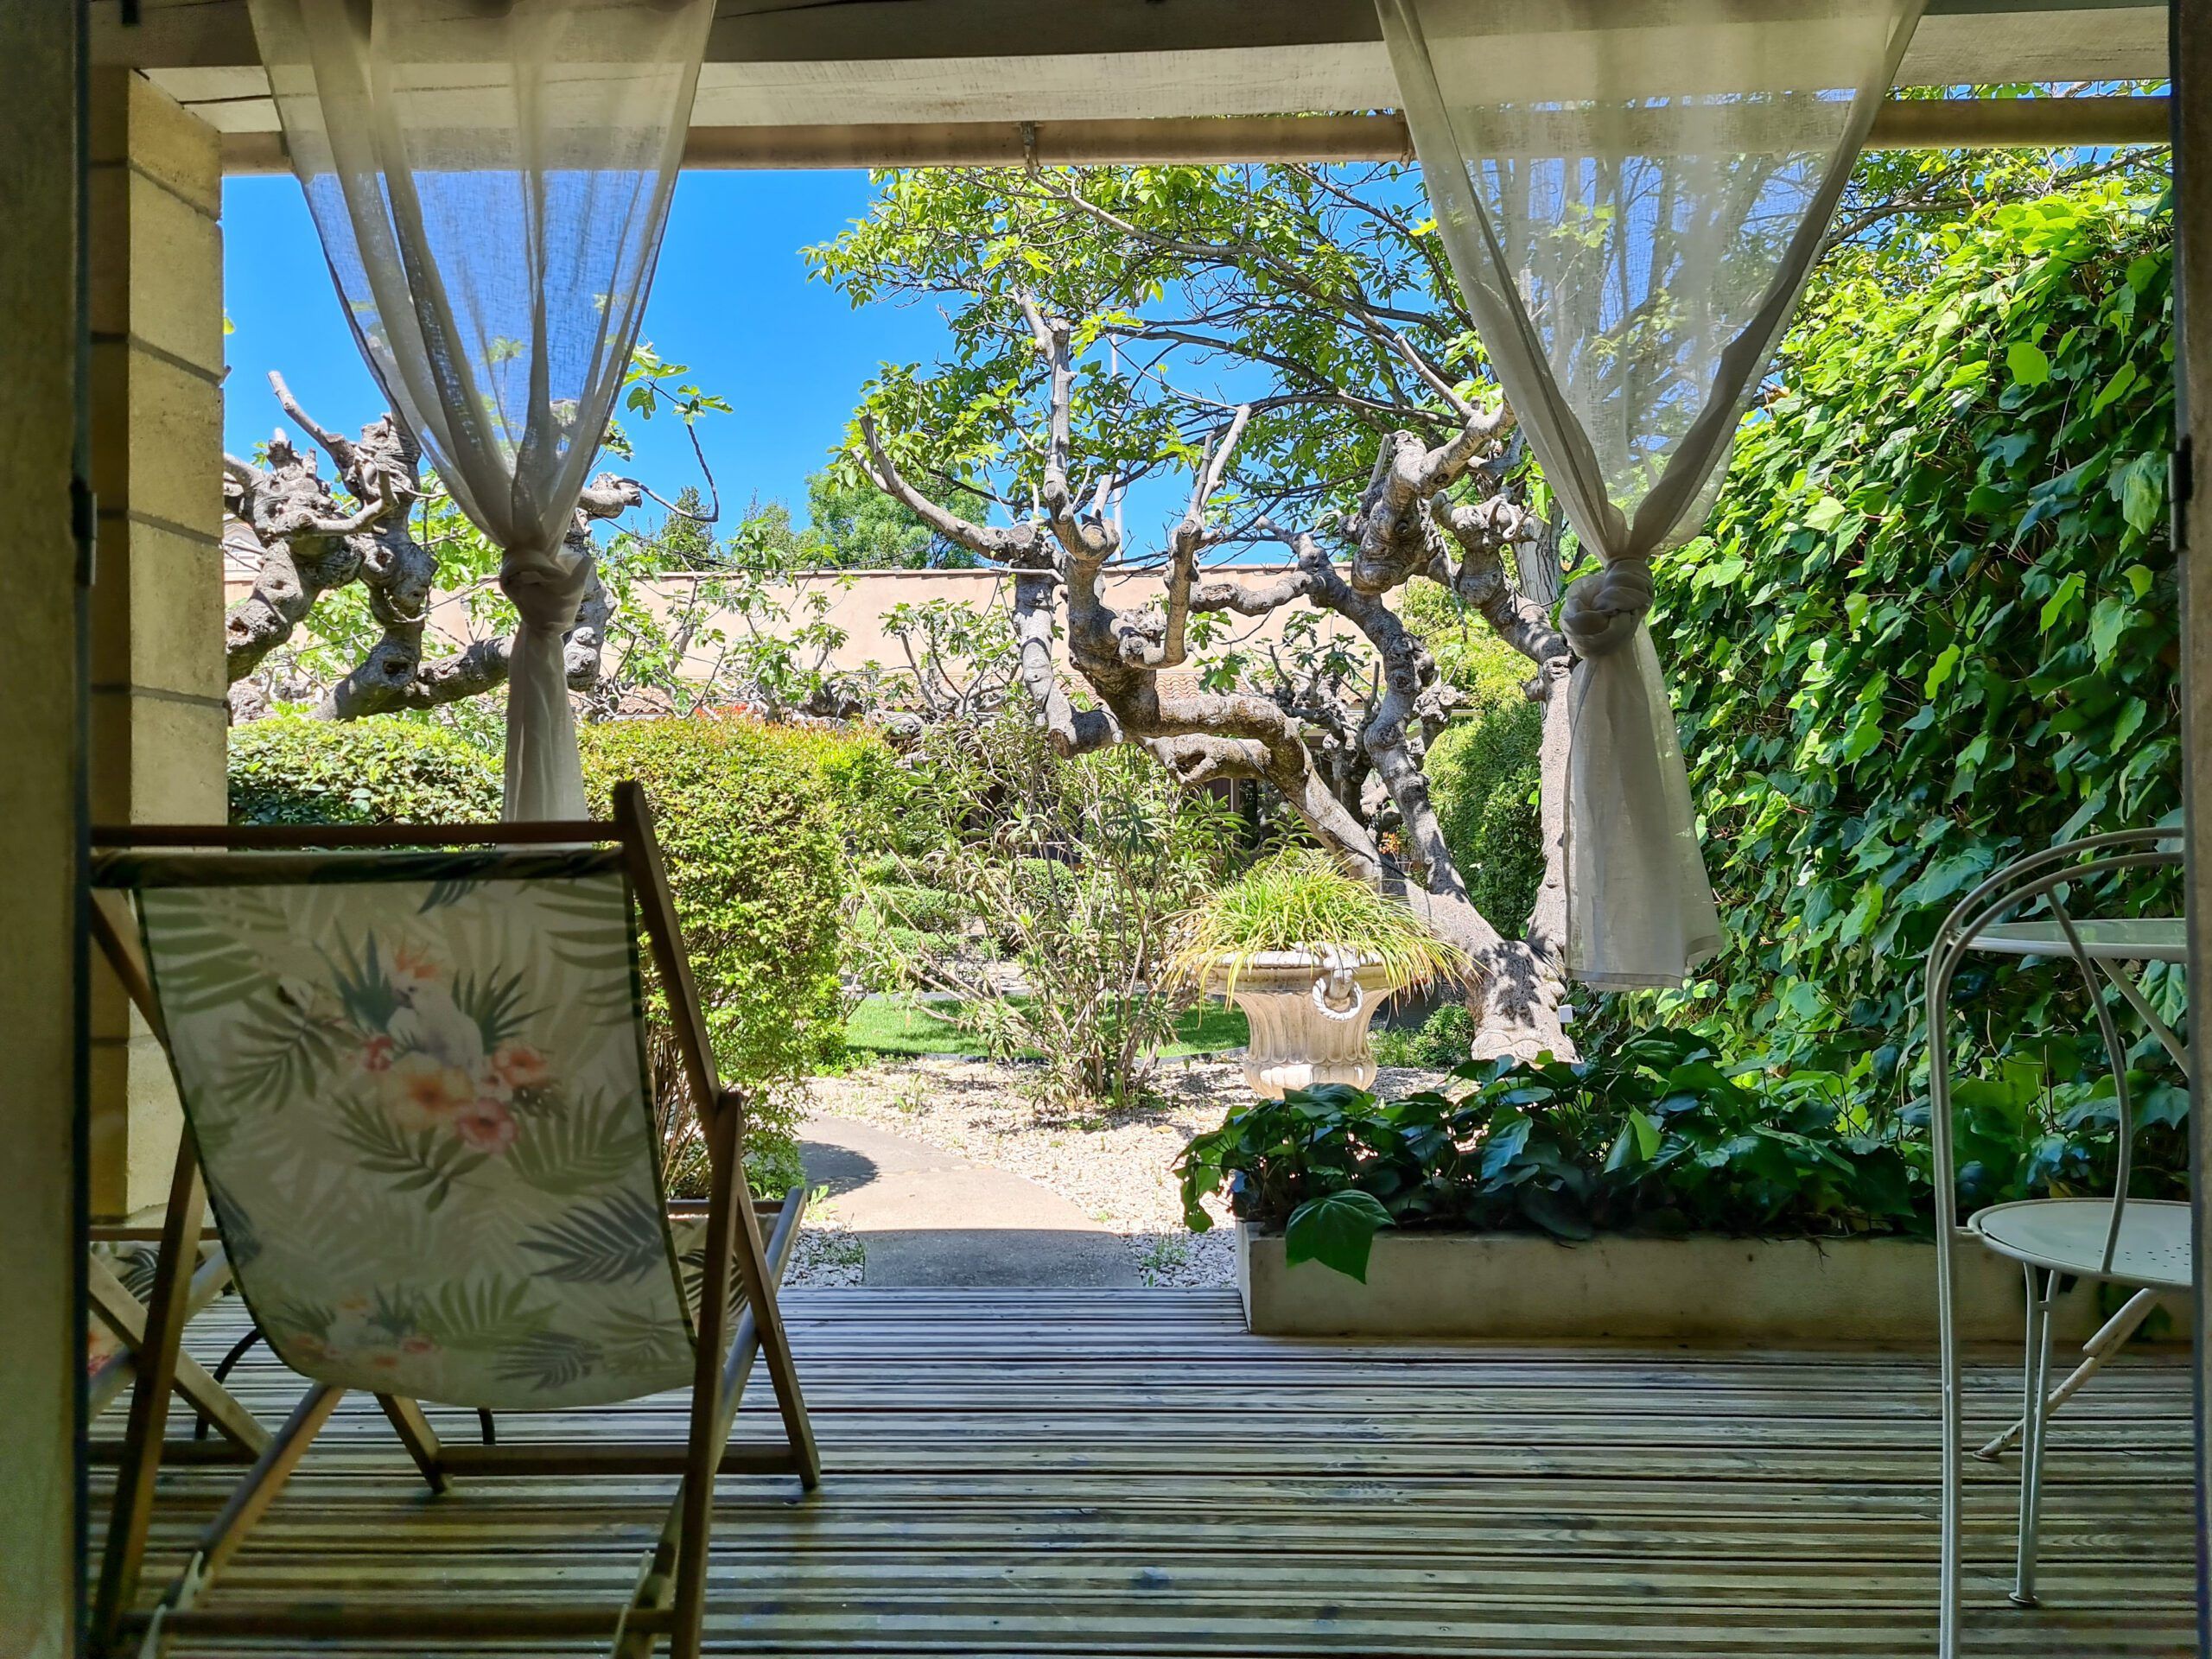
(2042, 1231)
(2110, 942)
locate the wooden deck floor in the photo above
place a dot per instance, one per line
(1129, 1473)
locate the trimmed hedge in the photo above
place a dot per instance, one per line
(747, 817)
(1483, 776)
(386, 769)
(746, 822)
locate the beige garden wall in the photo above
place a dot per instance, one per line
(856, 603)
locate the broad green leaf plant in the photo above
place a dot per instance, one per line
(1659, 1138)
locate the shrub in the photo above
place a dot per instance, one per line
(749, 831)
(1483, 776)
(1076, 870)
(386, 769)
(1440, 1043)
(1657, 1137)
(862, 774)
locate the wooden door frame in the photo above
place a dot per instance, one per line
(2191, 60)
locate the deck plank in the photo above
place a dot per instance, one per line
(1130, 1474)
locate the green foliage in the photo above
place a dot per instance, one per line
(1440, 1043)
(1301, 899)
(862, 775)
(1895, 195)
(1933, 625)
(386, 769)
(1485, 671)
(855, 525)
(747, 826)
(1074, 870)
(1657, 1137)
(1484, 777)
(1337, 1229)
(683, 541)
(1273, 270)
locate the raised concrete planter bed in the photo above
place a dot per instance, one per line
(1526, 1286)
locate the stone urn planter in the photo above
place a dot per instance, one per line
(1309, 1011)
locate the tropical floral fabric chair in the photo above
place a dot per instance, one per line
(416, 1089)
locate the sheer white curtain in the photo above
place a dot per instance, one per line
(490, 179)
(1631, 195)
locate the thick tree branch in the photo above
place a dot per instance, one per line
(287, 519)
(1015, 544)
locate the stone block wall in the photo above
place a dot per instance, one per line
(157, 713)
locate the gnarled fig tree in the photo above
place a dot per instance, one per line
(381, 534)
(1428, 512)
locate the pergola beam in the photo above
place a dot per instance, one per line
(946, 80)
(1920, 123)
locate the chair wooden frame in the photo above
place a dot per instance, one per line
(671, 1595)
(121, 1313)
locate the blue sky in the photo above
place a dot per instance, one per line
(731, 300)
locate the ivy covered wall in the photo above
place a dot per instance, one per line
(1932, 623)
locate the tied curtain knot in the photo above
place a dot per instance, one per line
(545, 585)
(1602, 611)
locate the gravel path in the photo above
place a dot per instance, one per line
(1117, 1166)
(828, 1251)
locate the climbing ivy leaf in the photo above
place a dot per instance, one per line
(2027, 364)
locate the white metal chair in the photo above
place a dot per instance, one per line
(2140, 1242)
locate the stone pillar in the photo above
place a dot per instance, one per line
(157, 713)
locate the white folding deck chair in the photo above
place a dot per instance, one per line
(2140, 1243)
(418, 1103)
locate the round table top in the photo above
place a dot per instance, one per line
(2147, 938)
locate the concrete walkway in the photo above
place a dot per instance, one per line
(927, 1217)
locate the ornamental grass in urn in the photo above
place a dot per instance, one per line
(1310, 954)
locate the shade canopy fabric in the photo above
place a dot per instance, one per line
(1632, 197)
(490, 179)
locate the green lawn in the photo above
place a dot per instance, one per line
(884, 1024)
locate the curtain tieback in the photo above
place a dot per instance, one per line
(1601, 610)
(545, 584)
